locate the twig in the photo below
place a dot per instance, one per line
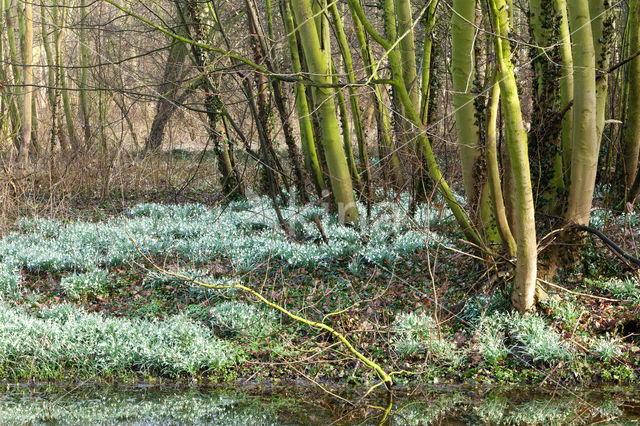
(386, 379)
(580, 294)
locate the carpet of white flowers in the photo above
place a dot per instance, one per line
(246, 233)
(83, 257)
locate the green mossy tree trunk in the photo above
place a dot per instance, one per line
(602, 29)
(566, 84)
(27, 81)
(545, 138)
(463, 38)
(389, 155)
(493, 171)
(524, 286)
(302, 107)
(190, 17)
(354, 102)
(413, 116)
(584, 154)
(318, 57)
(631, 135)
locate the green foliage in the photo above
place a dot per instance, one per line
(491, 336)
(535, 338)
(10, 281)
(65, 337)
(232, 319)
(606, 348)
(417, 333)
(624, 289)
(90, 283)
(566, 311)
(482, 306)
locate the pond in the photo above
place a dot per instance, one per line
(143, 405)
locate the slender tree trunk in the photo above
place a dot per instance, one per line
(602, 32)
(463, 37)
(545, 137)
(413, 115)
(584, 155)
(524, 286)
(390, 156)
(566, 83)
(8, 100)
(318, 60)
(84, 58)
(190, 17)
(493, 171)
(66, 101)
(408, 49)
(302, 107)
(353, 99)
(346, 136)
(168, 91)
(16, 117)
(427, 46)
(631, 135)
(27, 93)
(266, 52)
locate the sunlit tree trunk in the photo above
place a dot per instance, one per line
(566, 83)
(27, 92)
(389, 154)
(318, 59)
(346, 135)
(463, 38)
(631, 135)
(584, 155)
(493, 171)
(413, 115)
(524, 286)
(302, 107)
(408, 49)
(84, 61)
(427, 47)
(353, 98)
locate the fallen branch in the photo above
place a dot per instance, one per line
(386, 379)
(613, 246)
(577, 293)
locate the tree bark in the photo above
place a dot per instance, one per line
(524, 286)
(584, 155)
(318, 60)
(631, 135)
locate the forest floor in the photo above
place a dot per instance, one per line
(95, 297)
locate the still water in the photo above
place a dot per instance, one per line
(147, 405)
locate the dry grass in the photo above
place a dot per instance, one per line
(86, 181)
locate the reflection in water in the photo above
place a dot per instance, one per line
(516, 407)
(176, 405)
